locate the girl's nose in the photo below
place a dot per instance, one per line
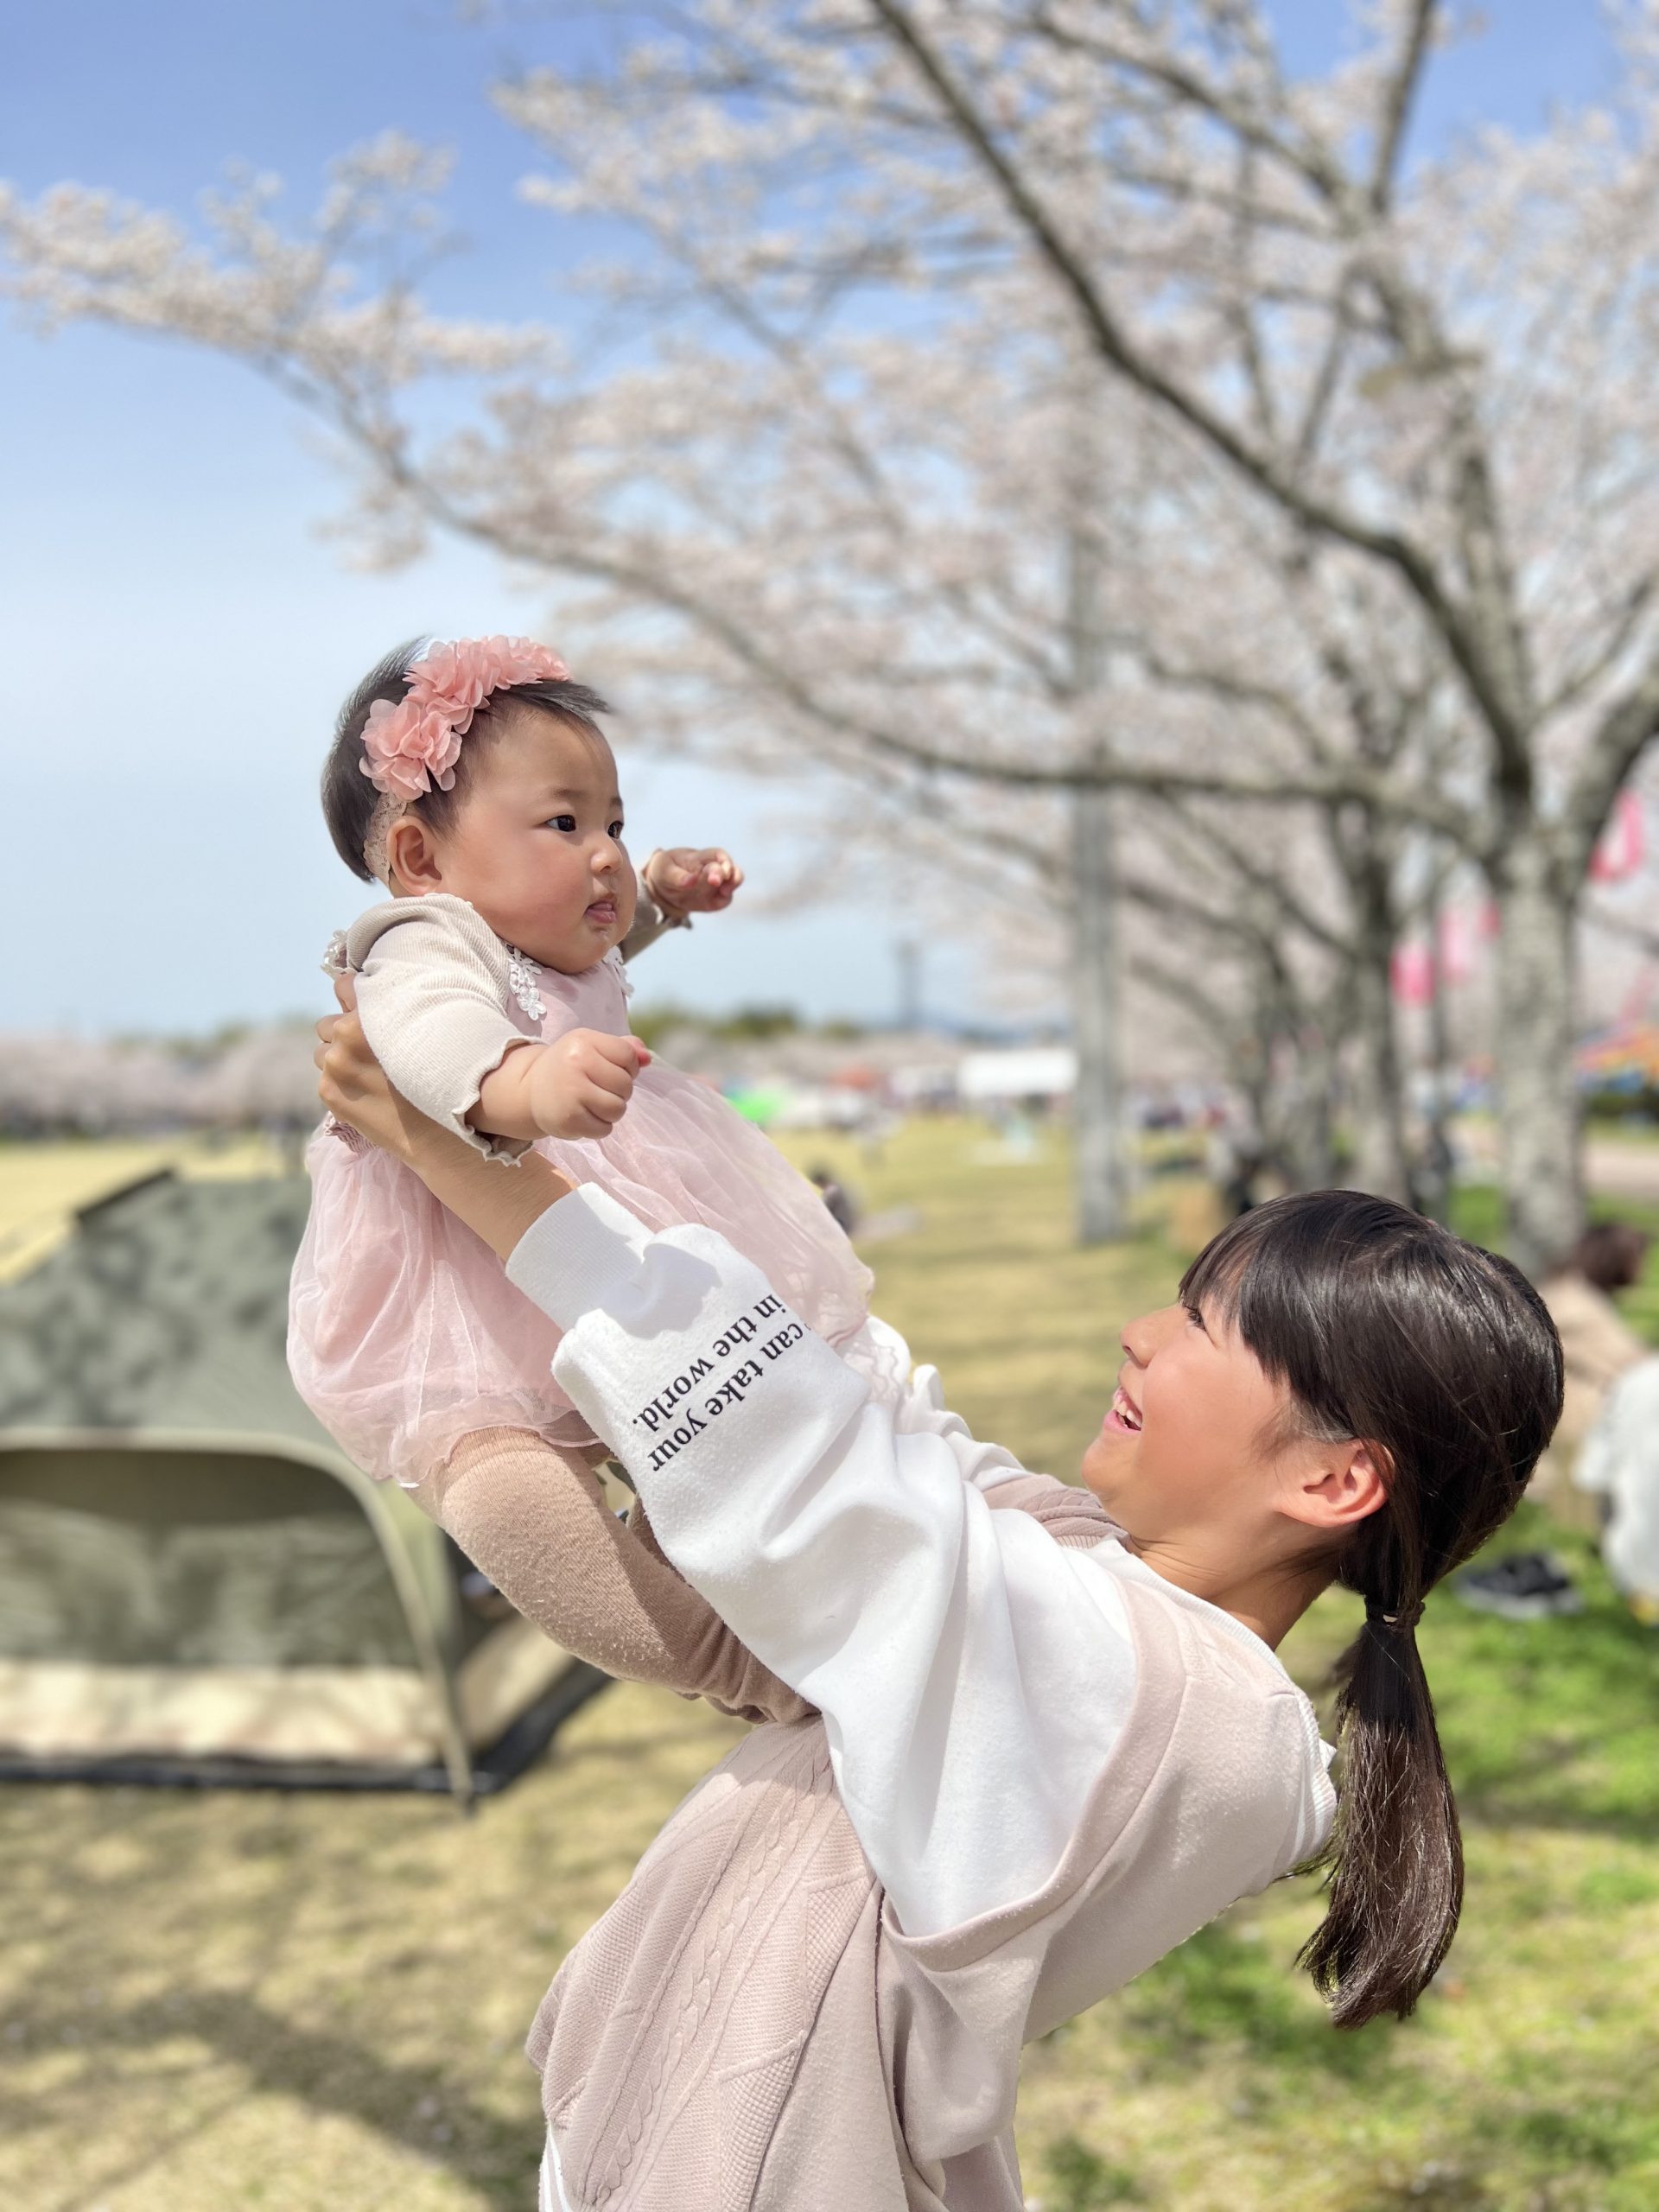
(1142, 1338)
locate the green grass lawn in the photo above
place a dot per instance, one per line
(302, 2003)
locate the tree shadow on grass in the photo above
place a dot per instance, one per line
(1552, 1723)
(1546, 1724)
(1529, 2135)
(1225, 1990)
(166, 1956)
(416, 2107)
(1596, 2152)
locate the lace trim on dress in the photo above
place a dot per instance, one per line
(524, 981)
(619, 967)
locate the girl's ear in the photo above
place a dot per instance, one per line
(412, 857)
(1340, 1486)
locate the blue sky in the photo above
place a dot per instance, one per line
(177, 630)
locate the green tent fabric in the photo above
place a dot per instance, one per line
(195, 1585)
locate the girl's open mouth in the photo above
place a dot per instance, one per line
(602, 912)
(1123, 1417)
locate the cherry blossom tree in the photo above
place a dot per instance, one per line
(56, 1085)
(941, 306)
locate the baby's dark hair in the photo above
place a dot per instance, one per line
(348, 796)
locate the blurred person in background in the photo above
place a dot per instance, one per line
(1598, 1347)
(1618, 1466)
(836, 1197)
(1597, 1343)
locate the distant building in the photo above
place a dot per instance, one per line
(1017, 1077)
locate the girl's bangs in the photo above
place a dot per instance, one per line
(1297, 1279)
(1254, 1276)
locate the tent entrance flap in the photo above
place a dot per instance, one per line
(176, 1613)
(132, 1557)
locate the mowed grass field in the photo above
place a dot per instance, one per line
(312, 2002)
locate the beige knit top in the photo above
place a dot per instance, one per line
(749, 2029)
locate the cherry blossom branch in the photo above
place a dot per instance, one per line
(1399, 96)
(1463, 638)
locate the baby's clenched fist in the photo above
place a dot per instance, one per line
(580, 1085)
(692, 879)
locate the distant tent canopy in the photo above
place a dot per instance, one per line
(196, 1586)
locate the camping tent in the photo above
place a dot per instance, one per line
(195, 1585)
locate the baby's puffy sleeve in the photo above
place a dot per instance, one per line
(432, 996)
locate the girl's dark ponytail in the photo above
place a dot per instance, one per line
(1396, 1857)
(1442, 1358)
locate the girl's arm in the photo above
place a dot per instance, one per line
(533, 1518)
(536, 1521)
(530, 1517)
(430, 983)
(972, 1674)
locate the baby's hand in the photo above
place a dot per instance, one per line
(580, 1085)
(689, 880)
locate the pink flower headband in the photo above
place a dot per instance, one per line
(410, 747)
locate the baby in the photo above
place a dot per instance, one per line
(474, 782)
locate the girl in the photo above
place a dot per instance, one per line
(472, 780)
(1037, 1768)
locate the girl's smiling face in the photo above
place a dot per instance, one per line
(1198, 1437)
(535, 844)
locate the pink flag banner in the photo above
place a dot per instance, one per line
(1623, 842)
(1413, 975)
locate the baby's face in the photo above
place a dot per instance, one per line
(537, 846)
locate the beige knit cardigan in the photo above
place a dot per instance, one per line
(749, 2029)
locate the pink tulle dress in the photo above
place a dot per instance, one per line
(404, 1333)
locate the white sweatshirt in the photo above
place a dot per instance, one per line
(973, 1675)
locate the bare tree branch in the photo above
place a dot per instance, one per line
(1621, 735)
(1400, 93)
(1578, 681)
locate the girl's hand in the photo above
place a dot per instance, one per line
(354, 1088)
(689, 880)
(499, 1208)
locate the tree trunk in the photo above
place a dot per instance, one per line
(1098, 1106)
(1305, 1142)
(1539, 1119)
(1382, 1162)
(1434, 1176)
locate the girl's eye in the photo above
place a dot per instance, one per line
(562, 821)
(1195, 1320)
(615, 830)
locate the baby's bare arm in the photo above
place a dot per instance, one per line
(534, 1520)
